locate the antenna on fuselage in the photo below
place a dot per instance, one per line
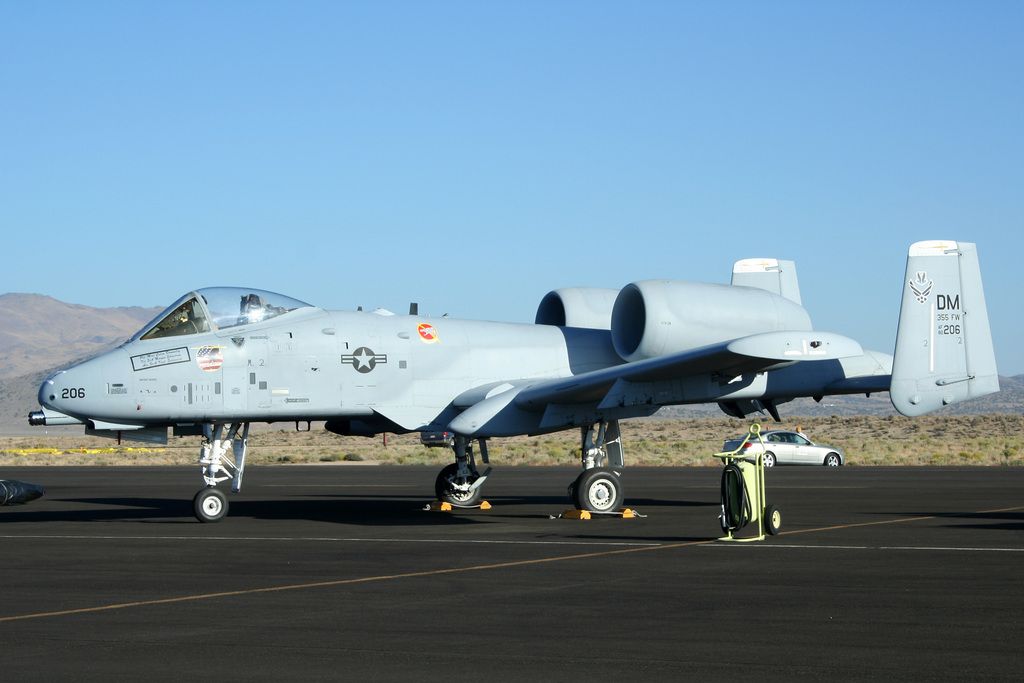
(414, 308)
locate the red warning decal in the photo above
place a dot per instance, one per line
(428, 333)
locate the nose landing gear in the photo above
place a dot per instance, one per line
(210, 504)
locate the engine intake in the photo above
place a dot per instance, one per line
(588, 307)
(657, 317)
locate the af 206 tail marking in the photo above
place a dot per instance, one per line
(944, 348)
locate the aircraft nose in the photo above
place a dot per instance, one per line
(48, 391)
(82, 390)
(70, 391)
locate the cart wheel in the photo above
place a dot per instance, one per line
(773, 519)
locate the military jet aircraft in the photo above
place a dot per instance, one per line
(219, 359)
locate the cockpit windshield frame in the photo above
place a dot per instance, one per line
(184, 319)
(217, 308)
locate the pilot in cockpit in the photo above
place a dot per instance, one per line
(250, 310)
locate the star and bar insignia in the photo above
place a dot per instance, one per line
(364, 359)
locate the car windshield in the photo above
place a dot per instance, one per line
(217, 308)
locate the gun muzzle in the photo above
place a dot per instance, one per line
(51, 418)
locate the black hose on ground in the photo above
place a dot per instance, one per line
(17, 492)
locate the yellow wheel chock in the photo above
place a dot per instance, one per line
(624, 513)
(438, 506)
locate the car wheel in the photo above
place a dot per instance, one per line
(833, 460)
(769, 459)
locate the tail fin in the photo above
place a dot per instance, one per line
(773, 275)
(943, 344)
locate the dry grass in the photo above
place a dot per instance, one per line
(953, 440)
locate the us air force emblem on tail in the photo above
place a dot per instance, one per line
(921, 286)
(364, 359)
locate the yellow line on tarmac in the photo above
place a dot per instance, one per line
(347, 582)
(901, 520)
(834, 527)
(441, 572)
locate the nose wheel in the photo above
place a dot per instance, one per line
(210, 505)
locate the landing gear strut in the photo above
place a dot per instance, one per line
(599, 486)
(210, 504)
(460, 483)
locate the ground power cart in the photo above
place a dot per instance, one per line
(743, 492)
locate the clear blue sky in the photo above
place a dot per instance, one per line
(471, 156)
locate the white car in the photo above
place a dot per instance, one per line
(783, 447)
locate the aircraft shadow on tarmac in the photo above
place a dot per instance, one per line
(179, 511)
(557, 501)
(368, 510)
(1006, 521)
(564, 500)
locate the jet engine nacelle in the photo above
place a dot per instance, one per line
(588, 307)
(656, 317)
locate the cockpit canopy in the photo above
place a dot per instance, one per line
(217, 308)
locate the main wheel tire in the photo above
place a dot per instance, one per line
(769, 459)
(772, 519)
(210, 505)
(447, 491)
(833, 460)
(599, 489)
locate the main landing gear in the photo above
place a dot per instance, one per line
(460, 483)
(210, 504)
(599, 486)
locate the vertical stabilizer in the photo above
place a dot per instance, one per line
(943, 344)
(773, 275)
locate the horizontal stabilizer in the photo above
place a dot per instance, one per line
(944, 348)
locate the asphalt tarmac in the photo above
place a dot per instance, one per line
(337, 572)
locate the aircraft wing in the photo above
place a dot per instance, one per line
(726, 359)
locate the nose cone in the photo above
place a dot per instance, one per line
(79, 390)
(48, 392)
